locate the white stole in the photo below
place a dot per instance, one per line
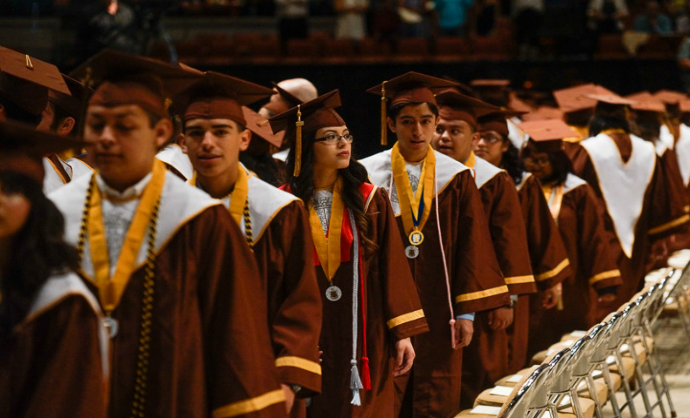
(623, 185)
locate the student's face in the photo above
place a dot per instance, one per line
(454, 138)
(414, 127)
(214, 145)
(14, 211)
(539, 164)
(491, 146)
(123, 142)
(334, 155)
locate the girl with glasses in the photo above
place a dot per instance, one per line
(370, 303)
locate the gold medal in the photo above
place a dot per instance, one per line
(416, 237)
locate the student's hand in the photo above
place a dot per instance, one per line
(404, 356)
(552, 296)
(464, 328)
(289, 397)
(500, 318)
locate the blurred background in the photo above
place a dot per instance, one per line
(539, 45)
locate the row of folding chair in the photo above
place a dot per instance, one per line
(581, 375)
(677, 301)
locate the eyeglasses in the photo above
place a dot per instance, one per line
(490, 139)
(542, 161)
(331, 139)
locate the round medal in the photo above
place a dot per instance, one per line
(111, 325)
(411, 251)
(334, 293)
(416, 237)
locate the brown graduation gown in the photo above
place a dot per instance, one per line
(210, 347)
(486, 359)
(662, 214)
(50, 366)
(581, 224)
(284, 256)
(282, 247)
(434, 384)
(393, 312)
(548, 257)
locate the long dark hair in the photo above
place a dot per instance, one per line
(512, 162)
(353, 177)
(38, 251)
(647, 126)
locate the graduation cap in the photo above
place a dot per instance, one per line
(308, 117)
(73, 104)
(684, 106)
(219, 96)
(408, 88)
(575, 99)
(261, 127)
(646, 102)
(547, 135)
(670, 97)
(497, 121)
(22, 148)
(543, 113)
(25, 81)
(611, 99)
(453, 105)
(287, 100)
(490, 83)
(124, 79)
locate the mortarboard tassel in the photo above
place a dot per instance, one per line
(355, 384)
(384, 127)
(298, 142)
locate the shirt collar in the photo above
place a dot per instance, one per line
(132, 192)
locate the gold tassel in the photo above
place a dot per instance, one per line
(384, 126)
(298, 142)
(87, 80)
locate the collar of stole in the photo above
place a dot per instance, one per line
(411, 204)
(238, 196)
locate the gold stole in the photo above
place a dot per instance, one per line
(471, 160)
(239, 194)
(328, 249)
(111, 289)
(409, 202)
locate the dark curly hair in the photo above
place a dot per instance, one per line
(353, 177)
(38, 251)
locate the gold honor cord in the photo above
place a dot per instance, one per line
(328, 250)
(239, 202)
(409, 201)
(111, 289)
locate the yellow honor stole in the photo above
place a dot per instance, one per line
(471, 160)
(411, 203)
(239, 204)
(111, 289)
(328, 248)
